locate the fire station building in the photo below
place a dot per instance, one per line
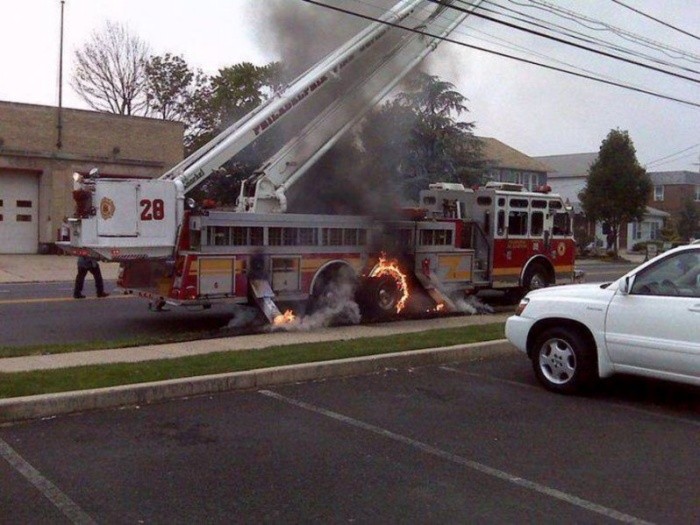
(40, 149)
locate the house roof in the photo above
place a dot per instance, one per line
(667, 178)
(571, 165)
(503, 156)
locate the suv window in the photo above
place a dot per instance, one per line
(678, 275)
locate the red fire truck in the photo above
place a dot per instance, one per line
(456, 242)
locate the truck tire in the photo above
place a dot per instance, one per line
(378, 298)
(536, 277)
(564, 361)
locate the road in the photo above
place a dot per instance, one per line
(46, 313)
(471, 442)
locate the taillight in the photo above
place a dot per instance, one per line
(521, 306)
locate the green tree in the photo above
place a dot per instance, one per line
(168, 86)
(689, 222)
(425, 141)
(436, 138)
(219, 102)
(618, 188)
(240, 88)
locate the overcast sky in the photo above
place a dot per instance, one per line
(536, 111)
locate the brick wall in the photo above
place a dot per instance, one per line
(31, 128)
(675, 196)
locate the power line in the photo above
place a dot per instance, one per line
(577, 35)
(656, 20)
(563, 41)
(604, 26)
(492, 39)
(503, 55)
(657, 161)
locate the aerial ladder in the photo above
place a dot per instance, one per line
(127, 219)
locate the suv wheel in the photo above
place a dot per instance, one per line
(563, 361)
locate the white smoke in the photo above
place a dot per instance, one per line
(472, 305)
(243, 316)
(337, 306)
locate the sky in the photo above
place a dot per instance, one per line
(536, 111)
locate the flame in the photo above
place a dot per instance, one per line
(391, 268)
(287, 317)
(440, 307)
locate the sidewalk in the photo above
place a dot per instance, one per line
(632, 257)
(31, 268)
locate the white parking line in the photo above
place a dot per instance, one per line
(62, 502)
(459, 460)
(644, 411)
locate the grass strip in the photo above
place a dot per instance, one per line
(100, 376)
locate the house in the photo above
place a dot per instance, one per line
(672, 189)
(41, 147)
(569, 176)
(506, 164)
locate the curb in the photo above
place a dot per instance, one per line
(35, 407)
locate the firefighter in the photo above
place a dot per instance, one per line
(85, 265)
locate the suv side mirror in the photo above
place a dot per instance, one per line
(626, 285)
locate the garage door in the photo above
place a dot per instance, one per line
(19, 212)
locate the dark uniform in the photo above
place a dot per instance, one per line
(85, 265)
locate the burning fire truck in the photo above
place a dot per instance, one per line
(457, 242)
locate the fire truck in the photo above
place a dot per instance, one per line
(457, 241)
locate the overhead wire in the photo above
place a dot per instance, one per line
(503, 55)
(670, 158)
(551, 26)
(492, 39)
(559, 29)
(604, 26)
(656, 20)
(563, 41)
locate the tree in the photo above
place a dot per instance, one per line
(689, 222)
(168, 86)
(217, 103)
(417, 136)
(240, 88)
(411, 140)
(618, 188)
(174, 91)
(110, 71)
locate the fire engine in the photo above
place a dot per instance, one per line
(458, 241)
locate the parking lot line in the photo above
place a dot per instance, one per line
(62, 502)
(459, 460)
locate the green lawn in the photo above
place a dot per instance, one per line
(98, 376)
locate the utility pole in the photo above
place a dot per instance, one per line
(59, 141)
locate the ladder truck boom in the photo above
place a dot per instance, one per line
(123, 219)
(285, 104)
(369, 81)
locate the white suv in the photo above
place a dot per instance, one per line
(645, 323)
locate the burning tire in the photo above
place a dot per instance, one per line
(379, 297)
